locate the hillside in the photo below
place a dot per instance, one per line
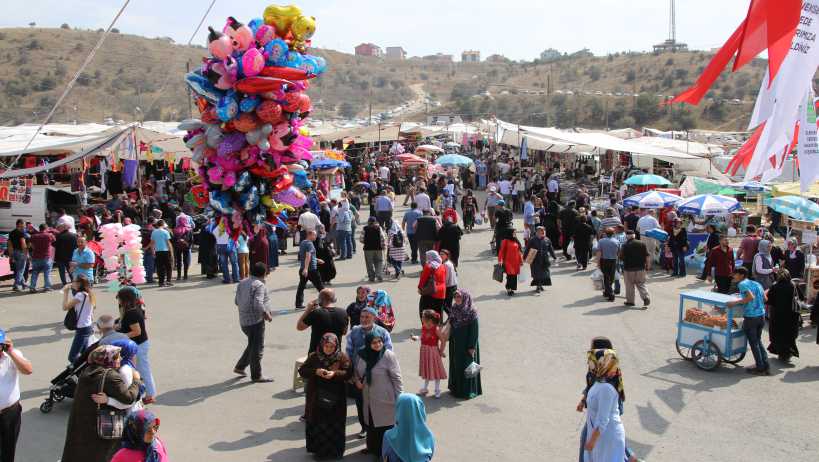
(131, 71)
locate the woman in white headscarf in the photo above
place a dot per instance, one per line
(763, 268)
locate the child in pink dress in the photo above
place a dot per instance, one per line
(433, 344)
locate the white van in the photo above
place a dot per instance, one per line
(44, 199)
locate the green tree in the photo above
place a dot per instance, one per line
(646, 109)
(683, 119)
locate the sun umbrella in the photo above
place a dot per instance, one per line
(452, 144)
(796, 207)
(652, 200)
(645, 180)
(362, 184)
(729, 192)
(428, 148)
(708, 204)
(753, 186)
(411, 159)
(454, 159)
(329, 163)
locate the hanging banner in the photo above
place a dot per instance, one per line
(808, 148)
(778, 104)
(16, 189)
(524, 149)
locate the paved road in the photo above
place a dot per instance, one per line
(533, 349)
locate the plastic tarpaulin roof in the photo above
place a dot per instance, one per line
(792, 189)
(686, 147)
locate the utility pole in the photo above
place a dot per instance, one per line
(190, 97)
(370, 118)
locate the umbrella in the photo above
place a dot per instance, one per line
(454, 159)
(428, 148)
(645, 180)
(362, 184)
(729, 192)
(329, 163)
(708, 204)
(753, 186)
(411, 159)
(652, 200)
(796, 207)
(452, 144)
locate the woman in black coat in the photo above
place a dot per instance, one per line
(583, 234)
(540, 265)
(795, 260)
(678, 241)
(783, 327)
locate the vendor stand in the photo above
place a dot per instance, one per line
(706, 339)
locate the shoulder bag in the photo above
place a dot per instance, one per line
(429, 286)
(498, 272)
(72, 317)
(110, 421)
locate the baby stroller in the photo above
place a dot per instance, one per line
(63, 385)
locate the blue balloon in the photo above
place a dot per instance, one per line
(248, 103)
(294, 59)
(227, 107)
(200, 85)
(250, 199)
(276, 52)
(242, 182)
(314, 66)
(220, 201)
(300, 179)
(254, 24)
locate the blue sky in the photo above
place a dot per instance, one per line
(518, 29)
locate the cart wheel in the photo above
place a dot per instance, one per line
(58, 396)
(684, 352)
(736, 359)
(706, 355)
(45, 408)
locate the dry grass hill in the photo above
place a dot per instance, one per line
(570, 90)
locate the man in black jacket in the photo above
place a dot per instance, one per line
(64, 246)
(713, 241)
(426, 234)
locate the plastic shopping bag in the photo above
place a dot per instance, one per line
(570, 249)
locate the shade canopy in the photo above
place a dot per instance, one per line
(652, 200)
(646, 180)
(796, 207)
(708, 204)
(428, 148)
(454, 159)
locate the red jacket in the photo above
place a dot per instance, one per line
(511, 256)
(439, 276)
(721, 260)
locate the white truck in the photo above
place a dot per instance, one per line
(43, 201)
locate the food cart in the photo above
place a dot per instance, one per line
(705, 339)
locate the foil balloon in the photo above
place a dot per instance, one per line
(242, 182)
(190, 125)
(220, 202)
(219, 45)
(231, 143)
(229, 180)
(227, 107)
(300, 179)
(281, 17)
(213, 135)
(240, 35)
(265, 34)
(275, 52)
(249, 103)
(302, 30)
(246, 122)
(251, 63)
(291, 196)
(294, 59)
(249, 200)
(203, 87)
(269, 111)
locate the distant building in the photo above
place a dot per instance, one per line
(497, 59)
(439, 57)
(670, 45)
(396, 53)
(369, 49)
(444, 119)
(471, 56)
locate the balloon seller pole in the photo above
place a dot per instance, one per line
(190, 96)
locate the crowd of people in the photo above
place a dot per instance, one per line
(113, 365)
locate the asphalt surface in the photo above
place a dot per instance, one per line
(532, 348)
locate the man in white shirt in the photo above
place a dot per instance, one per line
(384, 173)
(646, 223)
(423, 201)
(308, 221)
(553, 188)
(12, 362)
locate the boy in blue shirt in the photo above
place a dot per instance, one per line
(753, 302)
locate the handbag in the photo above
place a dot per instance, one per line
(531, 255)
(72, 317)
(498, 272)
(326, 399)
(110, 421)
(429, 287)
(472, 370)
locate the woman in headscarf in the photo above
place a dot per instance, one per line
(543, 248)
(207, 257)
(463, 346)
(127, 353)
(140, 439)
(378, 376)
(382, 304)
(583, 235)
(81, 441)
(511, 257)
(469, 206)
(449, 236)
(327, 268)
(606, 437)
(783, 327)
(795, 259)
(763, 268)
(396, 250)
(182, 242)
(260, 247)
(550, 222)
(432, 284)
(410, 440)
(325, 372)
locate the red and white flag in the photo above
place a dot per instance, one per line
(770, 25)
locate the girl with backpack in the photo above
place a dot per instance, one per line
(182, 241)
(396, 253)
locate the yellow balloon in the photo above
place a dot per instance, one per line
(267, 201)
(302, 29)
(304, 131)
(281, 17)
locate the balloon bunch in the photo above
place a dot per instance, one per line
(251, 93)
(122, 254)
